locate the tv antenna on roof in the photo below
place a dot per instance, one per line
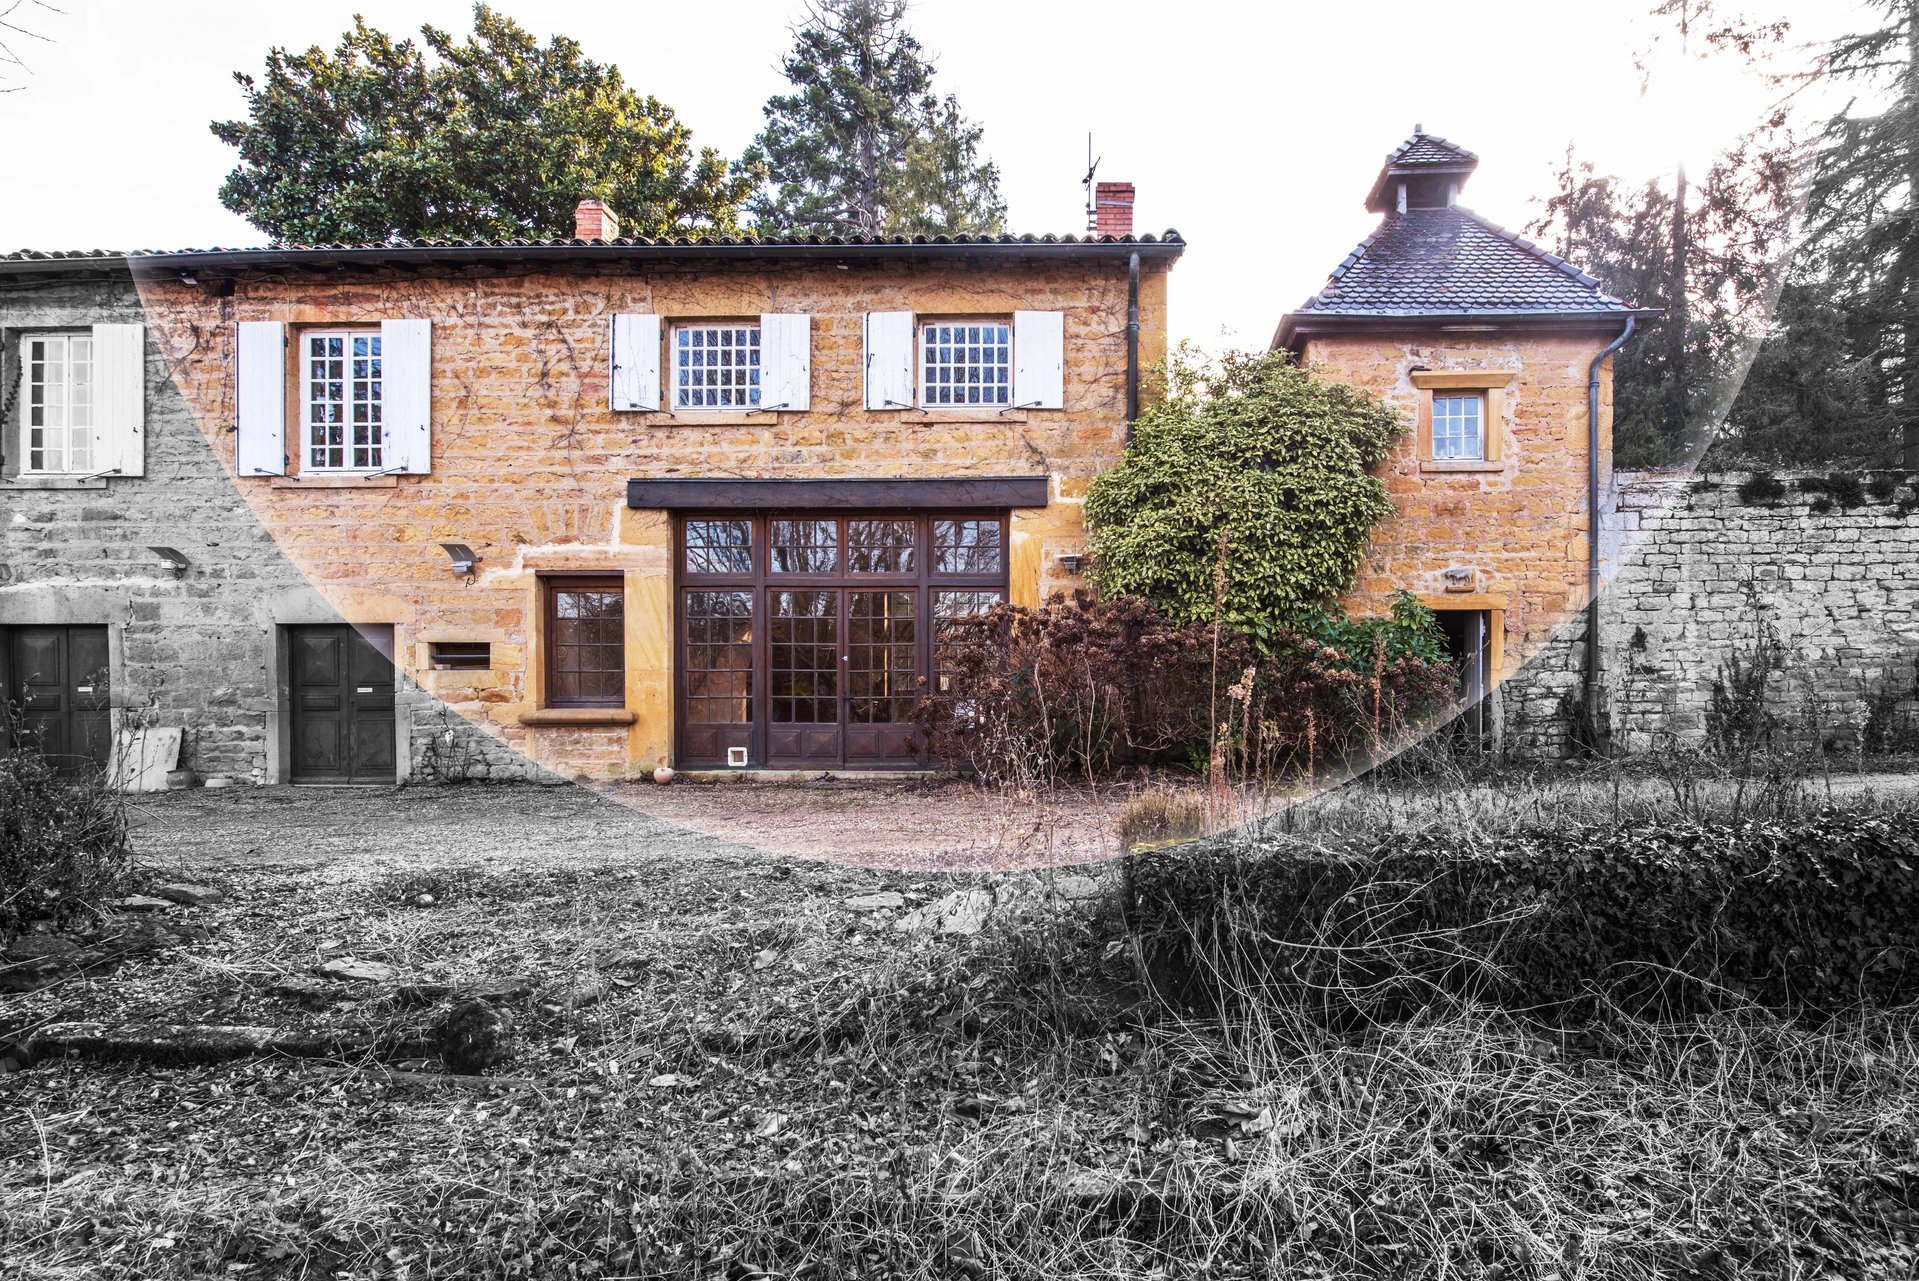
(1092, 167)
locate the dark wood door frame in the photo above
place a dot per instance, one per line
(761, 583)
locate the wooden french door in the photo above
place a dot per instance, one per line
(340, 697)
(807, 639)
(58, 680)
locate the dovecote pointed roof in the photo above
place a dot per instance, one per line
(1433, 262)
(1420, 156)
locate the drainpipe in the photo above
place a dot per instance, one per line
(1132, 343)
(1592, 534)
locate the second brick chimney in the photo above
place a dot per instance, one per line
(1113, 208)
(592, 220)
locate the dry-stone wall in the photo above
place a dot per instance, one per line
(1714, 570)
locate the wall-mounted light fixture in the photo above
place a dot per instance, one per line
(464, 558)
(176, 561)
(1071, 561)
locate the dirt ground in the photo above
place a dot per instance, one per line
(926, 825)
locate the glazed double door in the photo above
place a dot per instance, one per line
(836, 671)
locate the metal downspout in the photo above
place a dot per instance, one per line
(1132, 343)
(1592, 534)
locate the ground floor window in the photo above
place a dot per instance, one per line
(807, 638)
(585, 642)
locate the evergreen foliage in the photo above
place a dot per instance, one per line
(495, 136)
(863, 145)
(1245, 496)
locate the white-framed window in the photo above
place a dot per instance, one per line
(345, 412)
(58, 409)
(1459, 425)
(966, 363)
(716, 366)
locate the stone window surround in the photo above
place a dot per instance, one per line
(13, 449)
(299, 327)
(537, 713)
(670, 393)
(1494, 384)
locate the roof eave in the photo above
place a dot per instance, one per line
(1296, 326)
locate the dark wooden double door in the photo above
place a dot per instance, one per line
(57, 680)
(340, 699)
(806, 640)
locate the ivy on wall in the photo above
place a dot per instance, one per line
(1246, 494)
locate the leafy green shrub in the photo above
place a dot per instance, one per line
(1815, 915)
(63, 837)
(1258, 457)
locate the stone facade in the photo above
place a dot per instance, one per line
(1700, 568)
(529, 464)
(199, 651)
(1505, 535)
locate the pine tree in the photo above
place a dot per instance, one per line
(1837, 380)
(863, 145)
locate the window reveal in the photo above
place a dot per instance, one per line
(585, 643)
(716, 366)
(966, 364)
(59, 410)
(345, 418)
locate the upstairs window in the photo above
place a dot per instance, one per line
(968, 363)
(59, 403)
(1459, 426)
(345, 420)
(716, 366)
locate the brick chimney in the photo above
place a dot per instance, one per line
(1113, 208)
(592, 220)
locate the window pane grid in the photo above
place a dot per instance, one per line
(802, 546)
(586, 647)
(1459, 427)
(950, 608)
(716, 366)
(719, 658)
(970, 364)
(881, 547)
(805, 658)
(966, 547)
(719, 546)
(344, 405)
(59, 403)
(882, 669)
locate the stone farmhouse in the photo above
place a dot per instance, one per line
(595, 505)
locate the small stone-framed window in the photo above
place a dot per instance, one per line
(585, 641)
(56, 404)
(1461, 418)
(716, 365)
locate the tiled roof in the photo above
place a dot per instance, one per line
(1167, 245)
(1428, 151)
(1450, 261)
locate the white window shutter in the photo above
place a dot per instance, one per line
(889, 360)
(260, 415)
(635, 381)
(406, 381)
(1039, 359)
(786, 361)
(120, 398)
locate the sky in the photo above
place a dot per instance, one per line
(1253, 129)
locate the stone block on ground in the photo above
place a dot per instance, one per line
(351, 969)
(188, 894)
